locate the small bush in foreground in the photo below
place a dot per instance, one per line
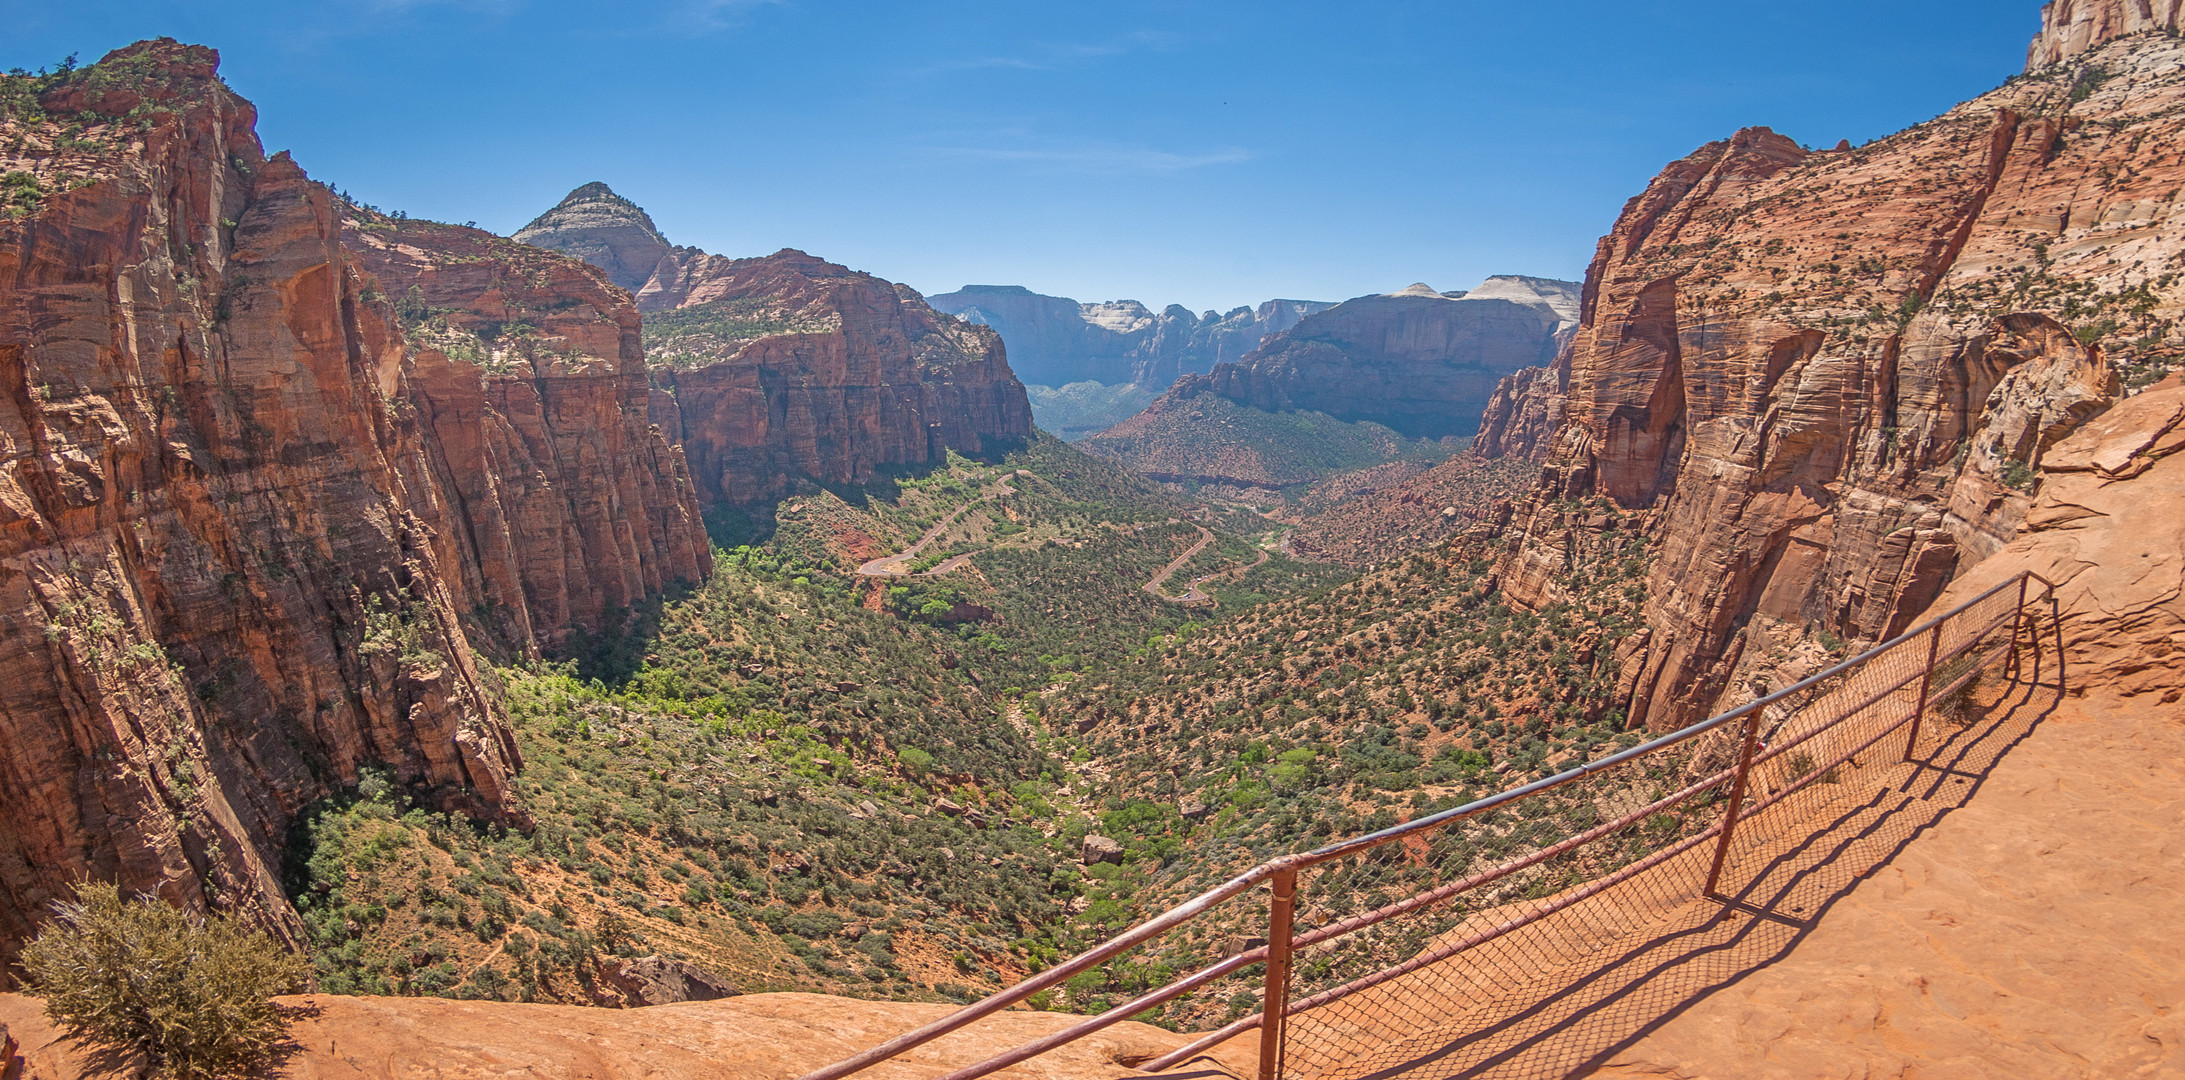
(194, 997)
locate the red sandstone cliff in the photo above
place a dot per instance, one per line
(788, 368)
(262, 475)
(218, 597)
(1833, 376)
(528, 377)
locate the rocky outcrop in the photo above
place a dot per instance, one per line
(2106, 529)
(1054, 341)
(789, 368)
(1420, 362)
(606, 230)
(658, 980)
(2070, 28)
(1834, 378)
(527, 373)
(1523, 416)
(220, 592)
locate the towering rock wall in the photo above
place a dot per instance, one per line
(219, 594)
(2070, 28)
(1421, 362)
(1054, 340)
(262, 482)
(792, 367)
(789, 368)
(1832, 377)
(528, 377)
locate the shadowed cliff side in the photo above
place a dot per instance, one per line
(219, 594)
(527, 373)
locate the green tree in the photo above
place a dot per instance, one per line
(193, 996)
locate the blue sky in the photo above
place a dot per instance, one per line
(1179, 151)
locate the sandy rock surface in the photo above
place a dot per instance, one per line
(2032, 933)
(760, 1037)
(2108, 530)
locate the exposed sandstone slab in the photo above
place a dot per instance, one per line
(760, 1037)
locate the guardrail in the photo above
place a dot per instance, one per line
(1537, 876)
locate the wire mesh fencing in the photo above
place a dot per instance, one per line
(1446, 945)
(1458, 943)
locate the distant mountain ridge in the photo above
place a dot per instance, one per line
(1054, 340)
(1422, 362)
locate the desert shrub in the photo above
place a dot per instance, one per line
(193, 996)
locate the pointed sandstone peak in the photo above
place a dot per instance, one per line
(604, 229)
(2072, 27)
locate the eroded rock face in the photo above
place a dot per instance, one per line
(2107, 530)
(2070, 28)
(1421, 362)
(1054, 340)
(220, 594)
(1523, 416)
(790, 368)
(1834, 377)
(829, 374)
(528, 376)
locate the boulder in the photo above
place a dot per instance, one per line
(657, 980)
(1100, 849)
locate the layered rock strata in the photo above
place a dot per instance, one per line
(2069, 28)
(785, 369)
(1834, 377)
(219, 593)
(1054, 340)
(1420, 362)
(566, 506)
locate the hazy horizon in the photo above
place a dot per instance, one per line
(1209, 154)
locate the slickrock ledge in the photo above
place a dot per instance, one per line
(760, 1037)
(2031, 933)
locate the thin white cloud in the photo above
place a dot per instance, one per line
(1050, 56)
(398, 7)
(1111, 158)
(721, 14)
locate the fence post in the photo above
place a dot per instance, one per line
(1926, 687)
(1281, 931)
(1737, 801)
(2018, 628)
(2056, 616)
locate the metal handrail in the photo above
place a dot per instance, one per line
(1287, 866)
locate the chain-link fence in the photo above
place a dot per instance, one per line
(1439, 947)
